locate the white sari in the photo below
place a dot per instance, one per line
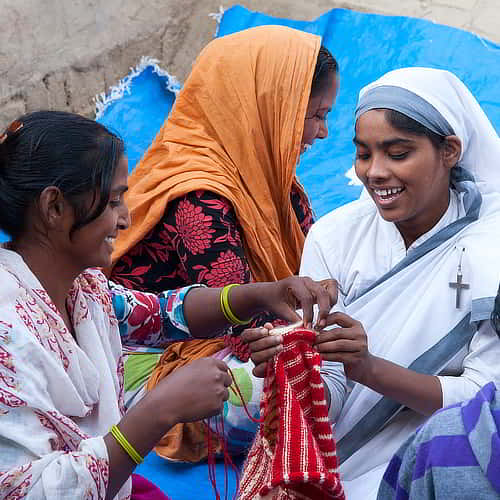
(407, 306)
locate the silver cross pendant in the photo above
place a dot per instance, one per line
(459, 285)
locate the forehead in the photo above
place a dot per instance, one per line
(374, 126)
(121, 173)
(326, 96)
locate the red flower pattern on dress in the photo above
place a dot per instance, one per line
(193, 227)
(228, 268)
(145, 317)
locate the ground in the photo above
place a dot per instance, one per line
(56, 54)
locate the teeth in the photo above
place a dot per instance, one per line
(387, 192)
(111, 240)
(306, 147)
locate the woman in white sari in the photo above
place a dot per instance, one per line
(417, 264)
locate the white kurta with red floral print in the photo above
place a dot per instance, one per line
(59, 395)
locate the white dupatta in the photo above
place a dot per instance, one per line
(58, 397)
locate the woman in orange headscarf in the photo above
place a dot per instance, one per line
(216, 199)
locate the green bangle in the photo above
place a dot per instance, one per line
(122, 441)
(226, 308)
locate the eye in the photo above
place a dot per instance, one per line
(115, 202)
(399, 156)
(361, 156)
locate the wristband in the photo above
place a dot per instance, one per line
(128, 448)
(226, 308)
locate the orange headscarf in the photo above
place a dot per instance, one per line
(235, 130)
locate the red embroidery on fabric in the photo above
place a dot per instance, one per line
(7, 481)
(11, 400)
(6, 360)
(99, 471)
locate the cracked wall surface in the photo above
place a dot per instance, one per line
(56, 54)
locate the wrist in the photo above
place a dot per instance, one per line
(246, 301)
(368, 375)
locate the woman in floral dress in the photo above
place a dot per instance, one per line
(216, 200)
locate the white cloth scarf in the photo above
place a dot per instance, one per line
(58, 397)
(402, 312)
(455, 103)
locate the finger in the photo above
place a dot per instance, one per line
(337, 334)
(332, 288)
(286, 312)
(304, 297)
(263, 356)
(268, 326)
(260, 371)
(220, 364)
(228, 380)
(252, 334)
(339, 346)
(265, 343)
(341, 319)
(326, 297)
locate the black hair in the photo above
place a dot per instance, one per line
(326, 68)
(408, 125)
(55, 148)
(495, 315)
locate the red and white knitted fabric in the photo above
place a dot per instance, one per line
(293, 455)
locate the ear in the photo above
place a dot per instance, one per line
(53, 208)
(452, 149)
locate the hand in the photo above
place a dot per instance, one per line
(262, 346)
(285, 296)
(195, 391)
(347, 344)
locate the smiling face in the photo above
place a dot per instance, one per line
(406, 175)
(315, 124)
(92, 244)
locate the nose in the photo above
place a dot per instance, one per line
(124, 218)
(377, 168)
(323, 129)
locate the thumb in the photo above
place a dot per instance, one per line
(287, 313)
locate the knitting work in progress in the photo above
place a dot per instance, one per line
(293, 455)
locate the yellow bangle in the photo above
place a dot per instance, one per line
(226, 308)
(122, 441)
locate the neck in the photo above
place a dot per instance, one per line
(50, 268)
(411, 230)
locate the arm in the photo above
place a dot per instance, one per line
(210, 248)
(145, 318)
(349, 345)
(480, 366)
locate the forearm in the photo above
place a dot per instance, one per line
(143, 427)
(417, 391)
(203, 313)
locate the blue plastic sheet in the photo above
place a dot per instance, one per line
(366, 46)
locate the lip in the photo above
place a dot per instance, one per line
(386, 202)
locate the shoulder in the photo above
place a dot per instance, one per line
(344, 220)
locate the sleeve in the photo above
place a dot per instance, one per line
(313, 265)
(211, 250)
(313, 262)
(149, 319)
(480, 366)
(43, 453)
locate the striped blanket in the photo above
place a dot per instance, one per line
(456, 454)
